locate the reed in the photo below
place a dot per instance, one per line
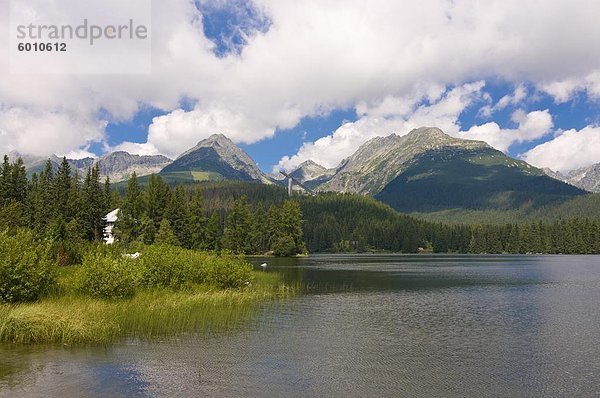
(69, 318)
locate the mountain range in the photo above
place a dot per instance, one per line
(587, 178)
(424, 171)
(118, 166)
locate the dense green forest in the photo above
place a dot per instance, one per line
(252, 218)
(63, 208)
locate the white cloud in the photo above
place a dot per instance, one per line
(443, 114)
(570, 150)
(178, 131)
(137, 148)
(39, 132)
(563, 90)
(380, 120)
(531, 126)
(518, 95)
(315, 57)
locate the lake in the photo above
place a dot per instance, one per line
(367, 325)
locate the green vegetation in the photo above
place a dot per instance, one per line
(583, 207)
(250, 218)
(155, 213)
(480, 179)
(110, 295)
(26, 271)
(342, 223)
(75, 319)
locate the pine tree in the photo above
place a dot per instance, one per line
(62, 189)
(291, 217)
(128, 225)
(177, 214)
(156, 198)
(259, 230)
(237, 235)
(148, 230)
(19, 181)
(165, 235)
(109, 202)
(212, 233)
(197, 220)
(5, 181)
(43, 201)
(274, 225)
(94, 205)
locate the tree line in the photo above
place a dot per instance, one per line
(156, 213)
(60, 206)
(342, 223)
(57, 205)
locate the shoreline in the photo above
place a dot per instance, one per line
(71, 319)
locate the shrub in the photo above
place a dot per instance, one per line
(284, 245)
(228, 271)
(169, 266)
(104, 274)
(26, 270)
(163, 266)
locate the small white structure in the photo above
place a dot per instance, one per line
(111, 219)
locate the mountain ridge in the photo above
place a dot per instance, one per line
(218, 158)
(587, 178)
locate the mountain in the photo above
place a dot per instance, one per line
(215, 158)
(428, 171)
(312, 174)
(378, 161)
(587, 178)
(118, 166)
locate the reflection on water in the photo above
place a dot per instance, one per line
(369, 326)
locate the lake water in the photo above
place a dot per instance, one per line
(368, 325)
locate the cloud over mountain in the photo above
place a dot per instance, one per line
(397, 63)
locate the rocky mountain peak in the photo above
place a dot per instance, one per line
(384, 158)
(219, 155)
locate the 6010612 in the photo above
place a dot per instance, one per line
(47, 47)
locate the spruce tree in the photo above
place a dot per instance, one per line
(148, 230)
(212, 233)
(94, 205)
(128, 225)
(177, 214)
(197, 220)
(19, 181)
(156, 198)
(165, 235)
(5, 181)
(237, 234)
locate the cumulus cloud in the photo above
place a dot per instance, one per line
(443, 114)
(379, 119)
(519, 94)
(531, 126)
(40, 132)
(563, 90)
(137, 148)
(315, 56)
(570, 150)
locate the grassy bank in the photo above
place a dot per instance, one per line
(69, 318)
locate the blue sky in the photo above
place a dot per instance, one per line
(575, 114)
(227, 28)
(290, 81)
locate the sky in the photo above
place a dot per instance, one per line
(293, 80)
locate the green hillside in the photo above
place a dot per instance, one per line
(480, 179)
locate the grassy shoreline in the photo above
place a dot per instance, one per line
(70, 319)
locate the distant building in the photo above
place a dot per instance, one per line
(111, 219)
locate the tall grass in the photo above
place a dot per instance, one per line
(68, 318)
